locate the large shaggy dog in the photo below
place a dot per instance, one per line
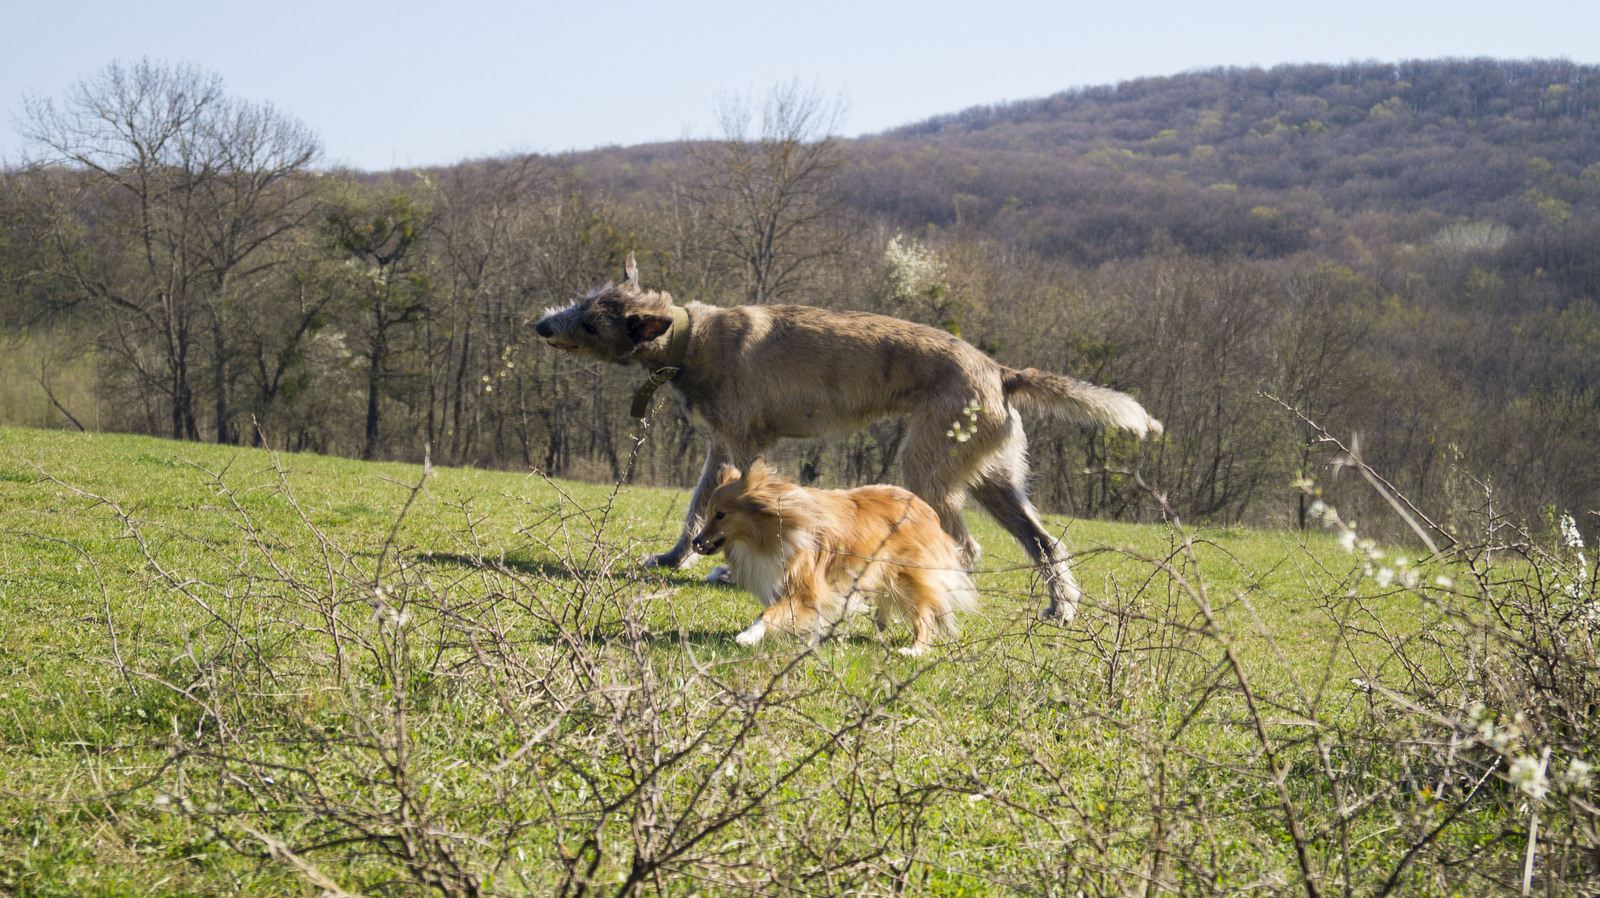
(813, 556)
(751, 375)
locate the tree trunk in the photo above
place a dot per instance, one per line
(380, 348)
(219, 377)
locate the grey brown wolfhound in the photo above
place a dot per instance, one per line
(751, 375)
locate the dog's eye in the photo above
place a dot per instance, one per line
(588, 327)
(721, 515)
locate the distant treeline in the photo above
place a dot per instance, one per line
(1408, 253)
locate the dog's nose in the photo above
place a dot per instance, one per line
(543, 329)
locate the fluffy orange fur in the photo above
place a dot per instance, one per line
(814, 556)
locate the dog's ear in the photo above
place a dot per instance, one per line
(727, 474)
(644, 328)
(630, 272)
(757, 473)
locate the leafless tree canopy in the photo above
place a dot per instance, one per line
(767, 198)
(190, 187)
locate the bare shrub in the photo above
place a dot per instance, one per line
(478, 715)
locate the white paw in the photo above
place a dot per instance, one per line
(753, 634)
(1060, 614)
(913, 650)
(719, 575)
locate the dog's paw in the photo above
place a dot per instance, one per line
(752, 635)
(665, 561)
(1058, 613)
(719, 574)
(912, 651)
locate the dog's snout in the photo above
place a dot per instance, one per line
(543, 328)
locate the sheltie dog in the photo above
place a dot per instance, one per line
(814, 556)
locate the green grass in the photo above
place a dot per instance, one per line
(194, 661)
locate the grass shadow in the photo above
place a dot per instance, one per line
(531, 567)
(554, 570)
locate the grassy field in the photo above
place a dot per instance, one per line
(229, 672)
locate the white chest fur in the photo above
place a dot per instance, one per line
(761, 574)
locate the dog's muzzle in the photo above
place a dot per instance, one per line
(553, 336)
(708, 547)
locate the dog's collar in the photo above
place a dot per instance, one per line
(675, 353)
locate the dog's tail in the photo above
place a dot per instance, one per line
(1078, 401)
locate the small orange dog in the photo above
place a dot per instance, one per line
(814, 556)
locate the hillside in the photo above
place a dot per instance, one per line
(1263, 162)
(1230, 161)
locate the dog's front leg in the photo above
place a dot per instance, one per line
(694, 521)
(753, 634)
(718, 453)
(794, 612)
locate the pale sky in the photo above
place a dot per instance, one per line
(402, 83)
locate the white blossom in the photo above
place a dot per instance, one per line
(1576, 776)
(1527, 774)
(1569, 532)
(912, 266)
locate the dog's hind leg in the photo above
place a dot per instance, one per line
(939, 478)
(882, 615)
(1001, 493)
(919, 609)
(1009, 506)
(949, 510)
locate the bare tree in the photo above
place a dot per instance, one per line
(157, 192)
(380, 233)
(488, 215)
(259, 193)
(767, 201)
(1319, 336)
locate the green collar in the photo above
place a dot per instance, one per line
(675, 354)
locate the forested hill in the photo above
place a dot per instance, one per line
(1261, 162)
